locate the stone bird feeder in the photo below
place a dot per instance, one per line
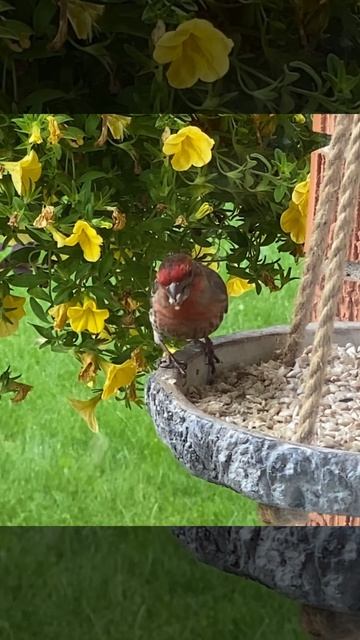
(294, 479)
(319, 568)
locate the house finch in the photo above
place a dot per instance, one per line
(188, 302)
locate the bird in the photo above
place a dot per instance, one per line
(188, 302)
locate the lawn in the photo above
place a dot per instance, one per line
(56, 472)
(120, 583)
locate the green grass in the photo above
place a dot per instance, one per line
(122, 584)
(56, 472)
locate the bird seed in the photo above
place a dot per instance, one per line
(267, 396)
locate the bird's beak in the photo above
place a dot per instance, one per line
(174, 291)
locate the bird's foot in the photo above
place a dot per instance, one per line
(210, 355)
(168, 361)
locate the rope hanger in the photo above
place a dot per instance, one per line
(339, 190)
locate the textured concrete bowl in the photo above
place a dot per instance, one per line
(271, 471)
(316, 566)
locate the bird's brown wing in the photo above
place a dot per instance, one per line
(218, 287)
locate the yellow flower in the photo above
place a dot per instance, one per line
(54, 130)
(90, 367)
(205, 252)
(299, 118)
(86, 408)
(119, 219)
(294, 219)
(293, 222)
(84, 235)
(35, 134)
(139, 359)
(195, 51)
(83, 17)
(59, 313)
(203, 211)
(129, 303)
(25, 172)
(117, 375)
(11, 311)
(181, 221)
(300, 196)
(189, 146)
(87, 317)
(45, 218)
(116, 124)
(131, 393)
(20, 389)
(237, 286)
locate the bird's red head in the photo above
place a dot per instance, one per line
(176, 268)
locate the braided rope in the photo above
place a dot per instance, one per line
(333, 281)
(325, 214)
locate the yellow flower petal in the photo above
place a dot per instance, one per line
(169, 46)
(189, 146)
(237, 286)
(87, 317)
(300, 191)
(299, 118)
(59, 237)
(59, 313)
(139, 359)
(83, 234)
(183, 73)
(83, 17)
(201, 252)
(196, 50)
(203, 211)
(293, 222)
(25, 172)
(54, 130)
(118, 125)
(35, 134)
(117, 375)
(90, 367)
(86, 409)
(11, 312)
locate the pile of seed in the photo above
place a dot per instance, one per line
(266, 397)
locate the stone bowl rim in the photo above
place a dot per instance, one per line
(193, 538)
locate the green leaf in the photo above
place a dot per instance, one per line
(39, 294)
(92, 175)
(15, 29)
(115, 21)
(38, 98)
(45, 332)
(238, 237)
(106, 265)
(5, 6)
(42, 16)
(92, 124)
(38, 310)
(279, 192)
(27, 279)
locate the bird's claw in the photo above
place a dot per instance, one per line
(211, 356)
